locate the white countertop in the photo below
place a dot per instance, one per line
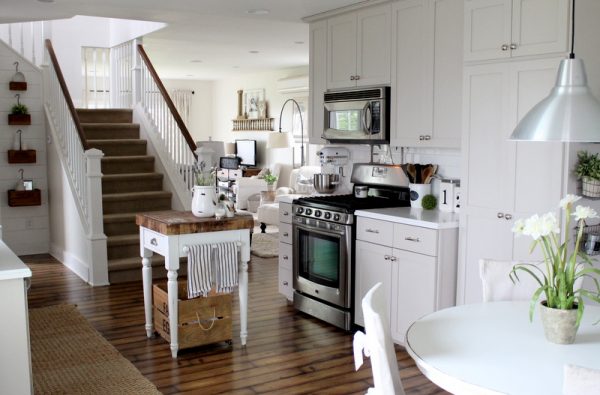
(433, 219)
(11, 266)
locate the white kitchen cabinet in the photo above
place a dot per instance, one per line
(427, 66)
(317, 82)
(286, 251)
(417, 266)
(503, 180)
(498, 29)
(358, 48)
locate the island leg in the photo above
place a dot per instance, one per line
(173, 313)
(243, 290)
(147, 284)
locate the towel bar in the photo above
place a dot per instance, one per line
(186, 248)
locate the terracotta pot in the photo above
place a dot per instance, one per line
(559, 325)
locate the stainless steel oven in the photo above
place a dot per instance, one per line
(323, 264)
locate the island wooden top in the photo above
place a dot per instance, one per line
(174, 222)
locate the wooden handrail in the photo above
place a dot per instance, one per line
(184, 131)
(66, 94)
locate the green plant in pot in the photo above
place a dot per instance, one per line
(270, 179)
(561, 275)
(19, 115)
(588, 170)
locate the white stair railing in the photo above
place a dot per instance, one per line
(27, 38)
(121, 59)
(170, 130)
(82, 164)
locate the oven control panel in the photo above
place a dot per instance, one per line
(322, 214)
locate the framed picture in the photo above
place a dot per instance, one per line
(252, 99)
(28, 184)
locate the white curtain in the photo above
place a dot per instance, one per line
(182, 98)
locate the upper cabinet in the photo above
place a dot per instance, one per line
(427, 67)
(358, 48)
(497, 29)
(316, 77)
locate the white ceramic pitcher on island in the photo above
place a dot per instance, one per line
(203, 201)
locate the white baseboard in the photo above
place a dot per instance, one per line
(73, 263)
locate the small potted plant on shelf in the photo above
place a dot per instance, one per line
(561, 275)
(588, 170)
(19, 115)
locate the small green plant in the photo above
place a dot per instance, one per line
(19, 109)
(270, 179)
(429, 202)
(588, 165)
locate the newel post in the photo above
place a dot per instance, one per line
(98, 271)
(136, 77)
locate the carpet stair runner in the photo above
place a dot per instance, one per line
(129, 186)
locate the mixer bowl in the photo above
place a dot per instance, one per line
(326, 183)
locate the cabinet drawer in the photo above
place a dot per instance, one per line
(374, 231)
(155, 242)
(285, 283)
(415, 239)
(285, 212)
(285, 233)
(285, 255)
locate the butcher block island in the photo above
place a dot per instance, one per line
(170, 234)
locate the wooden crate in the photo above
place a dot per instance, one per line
(214, 312)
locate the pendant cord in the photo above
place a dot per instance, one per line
(572, 54)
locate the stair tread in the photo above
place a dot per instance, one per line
(119, 217)
(124, 176)
(140, 195)
(123, 240)
(110, 125)
(128, 158)
(116, 141)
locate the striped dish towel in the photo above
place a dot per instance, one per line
(227, 266)
(199, 270)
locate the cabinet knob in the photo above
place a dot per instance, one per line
(285, 283)
(427, 137)
(393, 259)
(369, 230)
(352, 78)
(153, 242)
(421, 138)
(504, 47)
(357, 77)
(386, 257)
(513, 46)
(507, 217)
(285, 257)
(285, 234)
(285, 213)
(500, 215)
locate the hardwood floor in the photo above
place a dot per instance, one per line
(287, 352)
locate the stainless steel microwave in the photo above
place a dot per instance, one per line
(357, 116)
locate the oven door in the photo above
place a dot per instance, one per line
(322, 259)
(353, 120)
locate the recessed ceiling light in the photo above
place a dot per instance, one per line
(253, 51)
(259, 11)
(196, 61)
(236, 67)
(46, 1)
(189, 75)
(298, 42)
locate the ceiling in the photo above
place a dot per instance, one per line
(218, 35)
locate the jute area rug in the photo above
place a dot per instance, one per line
(265, 245)
(70, 357)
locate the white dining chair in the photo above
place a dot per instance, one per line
(377, 344)
(578, 380)
(497, 285)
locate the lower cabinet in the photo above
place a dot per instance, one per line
(286, 252)
(417, 269)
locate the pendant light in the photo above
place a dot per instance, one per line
(570, 113)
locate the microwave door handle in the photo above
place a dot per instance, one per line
(367, 121)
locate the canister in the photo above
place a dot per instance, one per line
(446, 198)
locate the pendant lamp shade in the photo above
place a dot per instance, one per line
(278, 140)
(569, 113)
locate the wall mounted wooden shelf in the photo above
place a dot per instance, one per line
(17, 86)
(253, 124)
(19, 119)
(24, 198)
(21, 156)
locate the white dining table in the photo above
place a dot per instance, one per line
(492, 348)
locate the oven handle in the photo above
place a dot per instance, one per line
(320, 231)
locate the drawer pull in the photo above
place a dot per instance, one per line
(285, 257)
(393, 259)
(285, 283)
(153, 241)
(386, 257)
(415, 239)
(285, 213)
(372, 231)
(285, 234)
(507, 217)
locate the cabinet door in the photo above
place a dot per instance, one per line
(317, 80)
(373, 46)
(372, 266)
(341, 51)
(487, 29)
(447, 17)
(540, 27)
(414, 290)
(412, 77)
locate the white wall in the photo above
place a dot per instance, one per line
(200, 124)
(25, 229)
(123, 30)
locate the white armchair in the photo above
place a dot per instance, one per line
(268, 214)
(247, 186)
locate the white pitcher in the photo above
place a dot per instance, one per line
(203, 204)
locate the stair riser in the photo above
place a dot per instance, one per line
(105, 116)
(136, 206)
(121, 228)
(124, 186)
(116, 132)
(132, 166)
(124, 251)
(121, 150)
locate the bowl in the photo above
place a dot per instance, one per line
(326, 183)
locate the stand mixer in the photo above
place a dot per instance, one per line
(332, 160)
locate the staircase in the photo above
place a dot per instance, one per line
(129, 186)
